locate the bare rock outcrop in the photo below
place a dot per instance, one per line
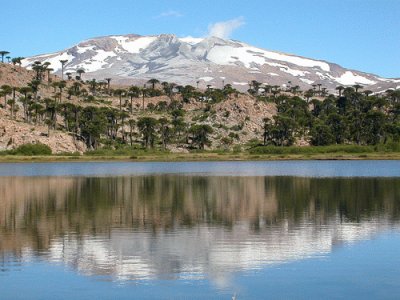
(14, 134)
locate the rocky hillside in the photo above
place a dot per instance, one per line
(14, 75)
(238, 119)
(212, 61)
(15, 132)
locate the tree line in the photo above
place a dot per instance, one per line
(352, 116)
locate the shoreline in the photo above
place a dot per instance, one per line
(182, 157)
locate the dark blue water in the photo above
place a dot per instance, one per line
(253, 230)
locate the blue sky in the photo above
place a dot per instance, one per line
(359, 34)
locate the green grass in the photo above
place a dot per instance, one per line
(204, 157)
(310, 150)
(69, 154)
(29, 150)
(36, 152)
(126, 151)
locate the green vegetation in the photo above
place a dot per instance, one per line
(29, 150)
(354, 118)
(351, 149)
(354, 121)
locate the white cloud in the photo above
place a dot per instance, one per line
(226, 28)
(169, 13)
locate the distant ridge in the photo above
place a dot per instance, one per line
(212, 61)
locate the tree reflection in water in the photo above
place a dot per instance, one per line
(172, 226)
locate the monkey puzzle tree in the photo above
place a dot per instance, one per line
(108, 85)
(39, 69)
(200, 135)
(5, 91)
(93, 86)
(119, 93)
(321, 135)
(282, 130)
(63, 62)
(165, 131)
(147, 127)
(133, 92)
(92, 123)
(13, 108)
(357, 87)
(144, 91)
(340, 90)
(51, 111)
(49, 70)
(153, 83)
(61, 85)
(132, 124)
(3, 53)
(24, 91)
(80, 72)
(69, 75)
(17, 60)
(308, 95)
(123, 116)
(267, 130)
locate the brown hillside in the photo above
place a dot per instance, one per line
(240, 117)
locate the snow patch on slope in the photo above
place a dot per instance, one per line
(82, 50)
(293, 72)
(228, 55)
(97, 61)
(206, 79)
(303, 62)
(134, 46)
(53, 59)
(191, 40)
(307, 81)
(349, 78)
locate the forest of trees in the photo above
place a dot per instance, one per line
(352, 118)
(351, 115)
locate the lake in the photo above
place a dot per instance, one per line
(200, 230)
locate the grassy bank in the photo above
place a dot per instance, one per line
(266, 153)
(39, 152)
(333, 149)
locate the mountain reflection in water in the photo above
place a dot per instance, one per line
(174, 226)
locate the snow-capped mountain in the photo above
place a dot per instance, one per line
(212, 61)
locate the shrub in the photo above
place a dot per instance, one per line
(312, 149)
(106, 151)
(125, 151)
(31, 150)
(388, 147)
(237, 149)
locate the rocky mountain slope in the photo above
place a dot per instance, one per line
(212, 61)
(240, 116)
(15, 132)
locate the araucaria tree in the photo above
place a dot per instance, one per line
(147, 127)
(3, 53)
(63, 62)
(200, 135)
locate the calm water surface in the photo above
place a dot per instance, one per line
(257, 230)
